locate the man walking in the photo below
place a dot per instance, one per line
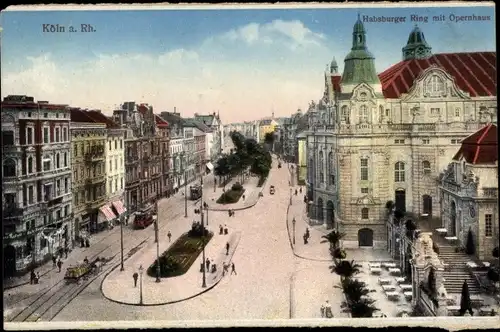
(233, 269)
(169, 236)
(224, 268)
(207, 262)
(54, 261)
(227, 248)
(59, 264)
(135, 276)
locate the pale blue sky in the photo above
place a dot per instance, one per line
(244, 63)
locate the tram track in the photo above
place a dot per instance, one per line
(53, 300)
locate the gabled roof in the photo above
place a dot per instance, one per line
(79, 115)
(190, 122)
(160, 122)
(172, 118)
(101, 118)
(205, 119)
(480, 147)
(474, 72)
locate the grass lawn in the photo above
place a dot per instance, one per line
(179, 257)
(230, 196)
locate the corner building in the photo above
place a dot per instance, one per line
(375, 138)
(36, 182)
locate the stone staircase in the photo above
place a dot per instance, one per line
(456, 271)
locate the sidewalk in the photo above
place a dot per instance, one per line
(311, 287)
(48, 273)
(118, 286)
(314, 249)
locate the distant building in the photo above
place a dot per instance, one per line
(266, 126)
(468, 192)
(37, 214)
(215, 137)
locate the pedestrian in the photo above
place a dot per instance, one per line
(233, 269)
(296, 192)
(322, 310)
(135, 276)
(229, 212)
(224, 268)
(227, 248)
(87, 243)
(169, 236)
(37, 280)
(82, 243)
(54, 260)
(86, 260)
(305, 239)
(226, 230)
(300, 189)
(221, 230)
(32, 277)
(66, 250)
(307, 232)
(59, 264)
(328, 310)
(243, 197)
(207, 262)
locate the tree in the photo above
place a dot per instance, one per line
(357, 300)
(333, 238)
(345, 269)
(269, 138)
(470, 248)
(465, 302)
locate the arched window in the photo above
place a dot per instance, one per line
(30, 165)
(436, 84)
(9, 167)
(363, 114)
(399, 172)
(426, 165)
(331, 169)
(321, 167)
(344, 114)
(365, 213)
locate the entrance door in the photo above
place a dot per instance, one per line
(365, 237)
(330, 214)
(427, 205)
(453, 219)
(9, 263)
(400, 198)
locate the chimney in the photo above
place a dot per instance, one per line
(175, 110)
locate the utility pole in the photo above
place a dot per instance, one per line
(121, 244)
(185, 195)
(204, 282)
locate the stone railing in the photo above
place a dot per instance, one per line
(427, 304)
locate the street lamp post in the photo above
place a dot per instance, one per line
(121, 245)
(141, 270)
(293, 224)
(185, 196)
(204, 282)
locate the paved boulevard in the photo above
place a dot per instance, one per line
(263, 259)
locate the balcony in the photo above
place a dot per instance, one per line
(95, 155)
(95, 180)
(12, 211)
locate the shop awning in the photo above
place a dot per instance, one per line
(120, 208)
(210, 166)
(106, 210)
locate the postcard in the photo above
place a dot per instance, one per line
(250, 165)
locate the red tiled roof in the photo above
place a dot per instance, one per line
(474, 72)
(480, 147)
(78, 115)
(160, 122)
(101, 118)
(142, 109)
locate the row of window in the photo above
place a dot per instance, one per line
(97, 170)
(428, 141)
(86, 147)
(488, 225)
(110, 145)
(62, 115)
(113, 185)
(89, 195)
(115, 163)
(10, 165)
(62, 186)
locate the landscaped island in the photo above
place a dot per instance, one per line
(181, 255)
(232, 196)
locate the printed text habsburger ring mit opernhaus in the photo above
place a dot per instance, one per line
(424, 19)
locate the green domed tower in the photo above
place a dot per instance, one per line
(359, 64)
(416, 47)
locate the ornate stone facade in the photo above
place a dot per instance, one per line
(36, 181)
(390, 139)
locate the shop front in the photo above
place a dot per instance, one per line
(106, 217)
